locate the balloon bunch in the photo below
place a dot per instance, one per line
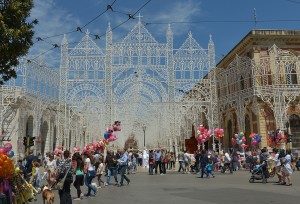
(255, 139)
(109, 134)
(203, 134)
(6, 163)
(7, 150)
(238, 139)
(97, 145)
(276, 139)
(88, 148)
(6, 166)
(219, 132)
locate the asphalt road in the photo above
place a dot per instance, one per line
(174, 188)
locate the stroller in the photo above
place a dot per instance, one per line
(261, 173)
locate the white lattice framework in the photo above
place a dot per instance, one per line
(36, 85)
(138, 81)
(276, 80)
(273, 78)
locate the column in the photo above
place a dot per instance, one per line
(170, 145)
(176, 149)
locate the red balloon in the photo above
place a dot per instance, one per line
(7, 146)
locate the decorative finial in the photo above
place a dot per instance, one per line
(139, 17)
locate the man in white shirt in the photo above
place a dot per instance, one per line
(227, 162)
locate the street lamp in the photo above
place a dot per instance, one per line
(144, 129)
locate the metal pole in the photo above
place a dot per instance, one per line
(144, 139)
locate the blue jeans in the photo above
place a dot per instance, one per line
(123, 174)
(203, 169)
(111, 172)
(181, 166)
(151, 166)
(88, 183)
(210, 172)
(197, 167)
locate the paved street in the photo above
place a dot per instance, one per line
(176, 188)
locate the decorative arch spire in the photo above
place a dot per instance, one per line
(211, 52)
(64, 40)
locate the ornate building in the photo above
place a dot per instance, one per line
(259, 85)
(136, 80)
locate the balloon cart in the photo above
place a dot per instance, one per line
(219, 132)
(277, 139)
(13, 187)
(203, 135)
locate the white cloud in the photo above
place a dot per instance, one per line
(53, 20)
(177, 11)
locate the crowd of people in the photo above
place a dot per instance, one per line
(91, 167)
(79, 169)
(282, 163)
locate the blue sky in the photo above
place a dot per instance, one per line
(202, 17)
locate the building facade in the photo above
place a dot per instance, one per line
(259, 86)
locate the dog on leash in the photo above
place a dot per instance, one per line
(48, 195)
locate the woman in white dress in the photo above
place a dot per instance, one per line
(51, 170)
(286, 168)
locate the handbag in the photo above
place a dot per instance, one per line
(59, 185)
(92, 173)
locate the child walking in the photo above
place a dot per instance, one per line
(209, 169)
(99, 173)
(36, 175)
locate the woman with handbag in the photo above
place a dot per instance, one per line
(89, 168)
(65, 175)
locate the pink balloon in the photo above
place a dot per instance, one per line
(216, 130)
(3, 150)
(7, 146)
(243, 145)
(254, 142)
(111, 139)
(76, 149)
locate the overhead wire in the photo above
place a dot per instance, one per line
(109, 7)
(79, 28)
(293, 1)
(222, 21)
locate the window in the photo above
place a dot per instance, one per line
(291, 74)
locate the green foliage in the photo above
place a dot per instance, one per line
(15, 35)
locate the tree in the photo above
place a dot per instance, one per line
(15, 35)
